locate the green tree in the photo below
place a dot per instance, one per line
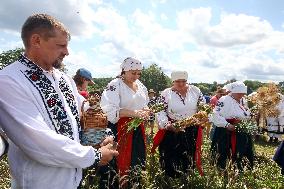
(205, 88)
(213, 87)
(10, 56)
(154, 78)
(100, 84)
(253, 85)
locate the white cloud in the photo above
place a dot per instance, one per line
(7, 45)
(122, 1)
(113, 26)
(238, 46)
(75, 14)
(237, 29)
(164, 17)
(80, 59)
(232, 30)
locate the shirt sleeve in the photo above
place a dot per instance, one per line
(26, 128)
(201, 99)
(110, 101)
(217, 117)
(162, 117)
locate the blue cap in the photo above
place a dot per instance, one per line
(86, 74)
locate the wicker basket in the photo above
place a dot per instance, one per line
(93, 122)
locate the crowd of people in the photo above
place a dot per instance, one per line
(40, 116)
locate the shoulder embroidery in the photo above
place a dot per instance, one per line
(111, 88)
(53, 104)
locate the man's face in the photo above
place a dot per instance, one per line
(54, 49)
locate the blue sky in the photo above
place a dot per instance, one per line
(212, 40)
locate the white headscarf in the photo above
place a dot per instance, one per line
(238, 87)
(131, 64)
(177, 75)
(227, 87)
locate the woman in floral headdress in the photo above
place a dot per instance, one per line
(229, 140)
(123, 99)
(178, 147)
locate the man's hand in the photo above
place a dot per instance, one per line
(231, 127)
(107, 154)
(107, 140)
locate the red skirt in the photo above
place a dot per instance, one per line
(125, 145)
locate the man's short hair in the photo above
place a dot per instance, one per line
(41, 24)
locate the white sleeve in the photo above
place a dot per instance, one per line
(26, 128)
(110, 101)
(201, 99)
(217, 117)
(162, 117)
(146, 94)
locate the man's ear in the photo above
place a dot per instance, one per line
(35, 40)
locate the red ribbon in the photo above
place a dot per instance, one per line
(233, 143)
(124, 149)
(158, 139)
(233, 121)
(198, 151)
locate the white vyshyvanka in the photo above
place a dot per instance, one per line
(177, 106)
(118, 95)
(228, 108)
(39, 114)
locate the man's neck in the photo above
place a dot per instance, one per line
(36, 59)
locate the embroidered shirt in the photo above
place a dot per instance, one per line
(39, 114)
(227, 108)
(118, 95)
(178, 107)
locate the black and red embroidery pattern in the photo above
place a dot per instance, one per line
(180, 96)
(67, 92)
(50, 97)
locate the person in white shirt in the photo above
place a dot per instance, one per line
(39, 113)
(124, 99)
(275, 125)
(226, 142)
(178, 147)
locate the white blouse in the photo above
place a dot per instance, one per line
(280, 119)
(178, 107)
(118, 95)
(228, 108)
(281, 109)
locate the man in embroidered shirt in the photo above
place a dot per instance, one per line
(39, 113)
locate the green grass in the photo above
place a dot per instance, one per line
(266, 174)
